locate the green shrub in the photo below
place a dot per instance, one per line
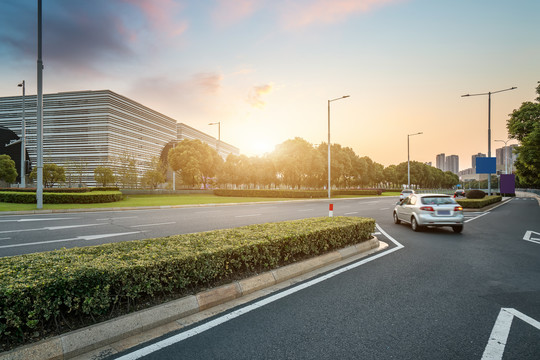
(293, 193)
(479, 203)
(61, 198)
(475, 194)
(39, 290)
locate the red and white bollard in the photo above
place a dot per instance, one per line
(331, 210)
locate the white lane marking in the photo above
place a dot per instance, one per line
(207, 212)
(44, 219)
(119, 217)
(5, 238)
(83, 237)
(165, 223)
(476, 217)
(529, 236)
(305, 210)
(354, 212)
(499, 334)
(52, 228)
(385, 209)
(241, 216)
(225, 318)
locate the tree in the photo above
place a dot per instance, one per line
(195, 160)
(126, 168)
(8, 172)
(104, 175)
(524, 126)
(155, 175)
(52, 174)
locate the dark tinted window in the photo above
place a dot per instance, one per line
(438, 200)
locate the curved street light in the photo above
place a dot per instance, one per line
(505, 155)
(489, 123)
(329, 101)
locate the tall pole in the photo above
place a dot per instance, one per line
(329, 181)
(23, 137)
(489, 124)
(505, 150)
(39, 117)
(409, 160)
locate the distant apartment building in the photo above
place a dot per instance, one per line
(440, 162)
(86, 129)
(452, 164)
(505, 158)
(473, 159)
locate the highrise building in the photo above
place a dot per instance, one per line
(452, 164)
(440, 162)
(474, 160)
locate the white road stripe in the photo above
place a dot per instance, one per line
(5, 238)
(38, 219)
(116, 218)
(165, 223)
(305, 210)
(84, 237)
(476, 217)
(241, 216)
(225, 318)
(52, 228)
(354, 212)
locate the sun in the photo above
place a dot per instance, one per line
(262, 146)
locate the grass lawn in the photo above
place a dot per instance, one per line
(157, 200)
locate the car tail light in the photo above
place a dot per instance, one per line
(458, 208)
(426, 208)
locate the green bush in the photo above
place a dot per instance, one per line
(475, 194)
(293, 193)
(63, 190)
(479, 203)
(61, 198)
(40, 290)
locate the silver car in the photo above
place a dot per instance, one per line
(421, 210)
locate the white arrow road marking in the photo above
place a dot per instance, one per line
(51, 228)
(83, 237)
(42, 219)
(529, 236)
(499, 335)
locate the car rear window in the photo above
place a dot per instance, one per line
(407, 191)
(438, 200)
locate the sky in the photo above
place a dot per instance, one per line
(266, 69)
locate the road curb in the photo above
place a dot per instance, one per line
(84, 340)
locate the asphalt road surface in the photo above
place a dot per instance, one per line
(431, 295)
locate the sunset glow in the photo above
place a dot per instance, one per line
(266, 69)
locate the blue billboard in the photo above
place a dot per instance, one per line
(486, 165)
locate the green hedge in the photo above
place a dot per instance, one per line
(63, 190)
(479, 203)
(292, 193)
(61, 198)
(40, 290)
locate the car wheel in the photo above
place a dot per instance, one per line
(396, 219)
(414, 224)
(457, 228)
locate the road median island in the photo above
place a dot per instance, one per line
(46, 294)
(479, 203)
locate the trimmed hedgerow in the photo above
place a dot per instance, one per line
(479, 203)
(475, 194)
(292, 193)
(63, 190)
(40, 290)
(61, 198)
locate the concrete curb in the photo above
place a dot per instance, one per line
(81, 341)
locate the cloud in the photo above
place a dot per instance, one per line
(207, 82)
(256, 94)
(308, 12)
(161, 15)
(229, 12)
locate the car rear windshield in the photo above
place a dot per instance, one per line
(437, 200)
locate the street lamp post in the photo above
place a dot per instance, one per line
(39, 117)
(505, 155)
(23, 138)
(329, 101)
(489, 123)
(409, 160)
(219, 134)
